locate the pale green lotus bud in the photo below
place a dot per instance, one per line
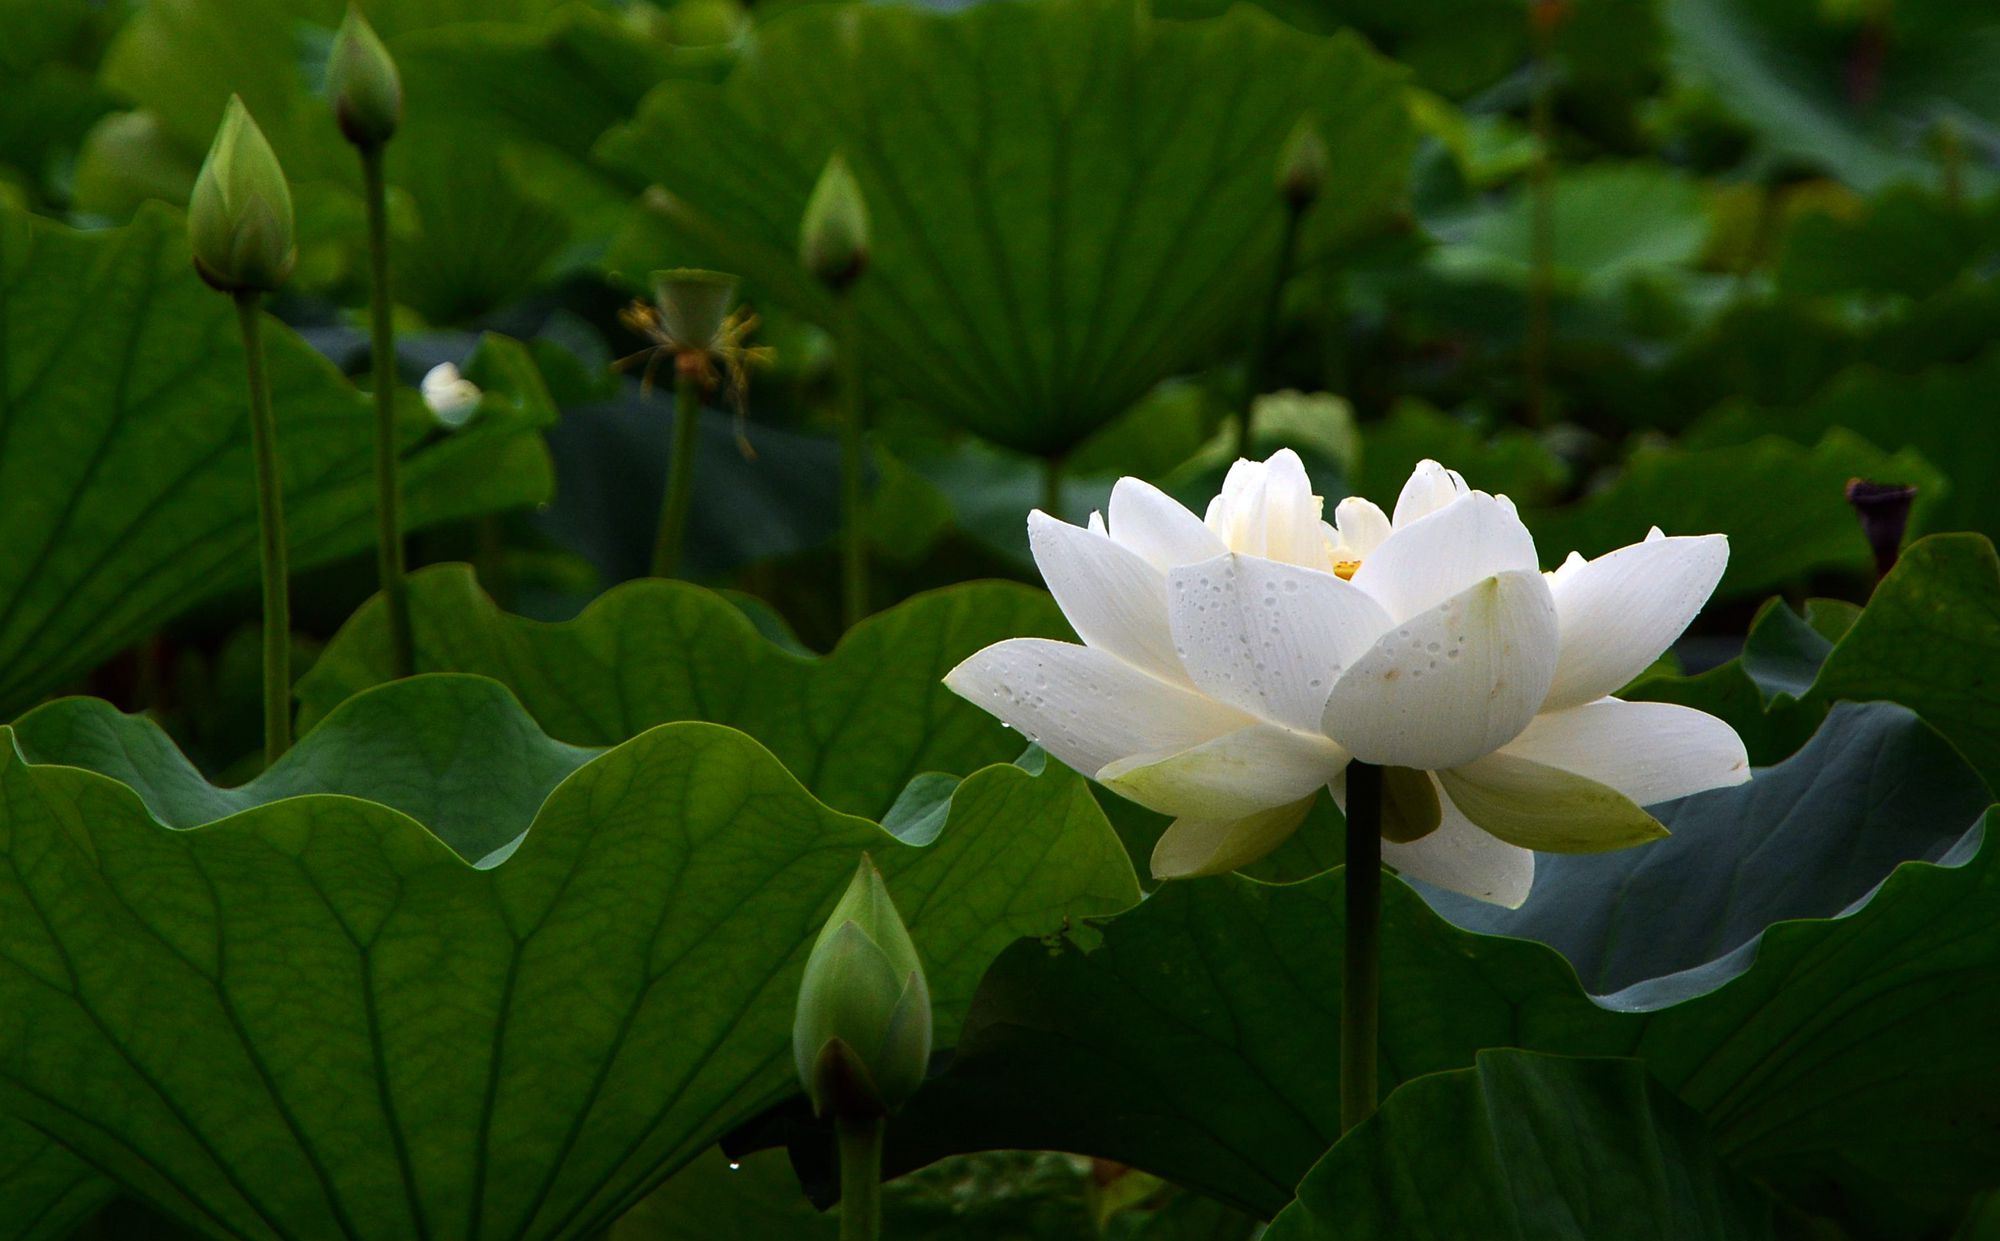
(362, 81)
(862, 1035)
(240, 215)
(833, 239)
(693, 304)
(1303, 165)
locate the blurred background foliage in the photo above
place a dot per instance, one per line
(1687, 262)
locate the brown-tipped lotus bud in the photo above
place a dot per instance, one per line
(362, 81)
(833, 239)
(861, 1038)
(240, 214)
(1303, 165)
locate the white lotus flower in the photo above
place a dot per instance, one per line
(1233, 666)
(451, 396)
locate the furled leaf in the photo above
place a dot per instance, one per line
(314, 1015)
(1525, 1147)
(854, 726)
(125, 448)
(1199, 1041)
(1069, 202)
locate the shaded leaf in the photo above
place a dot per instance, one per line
(1782, 506)
(1529, 1148)
(125, 448)
(394, 1043)
(1069, 202)
(854, 726)
(1199, 1041)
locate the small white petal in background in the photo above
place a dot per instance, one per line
(451, 396)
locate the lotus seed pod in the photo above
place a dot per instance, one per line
(240, 214)
(693, 303)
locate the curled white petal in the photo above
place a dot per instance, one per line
(1360, 525)
(1237, 774)
(1156, 526)
(1192, 847)
(1087, 707)
(1460, 857)
(1268, 509)
(1537, 806)
(1114, 599)
(1452, 684)
(1269, 638)
(1422, 564)
(451, 396)
(1649, 751)
(1621, 610)
(1430, 488)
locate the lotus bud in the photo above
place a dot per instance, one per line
(240, 215)
(693, 304)
(1303, 164)
(833, 240)
(361, 79)
(862, 1036)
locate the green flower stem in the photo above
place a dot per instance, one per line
(853, 463)
(860, 1178)
(271, 527)
(388, 492)
(1262, 343)
(680, 474)
(1541, 227)
(1361, 974)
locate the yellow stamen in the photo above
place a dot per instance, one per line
(1345, 569)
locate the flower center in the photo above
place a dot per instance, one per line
(1346, 569)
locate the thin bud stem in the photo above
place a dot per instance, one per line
(388, 491)
(271, 528)
(1360, 979)
(853, 464)
(860, 1178)
(1263, 344)
(679, 499)
(1541, 224)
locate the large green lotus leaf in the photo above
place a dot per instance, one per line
(125, 448)
(1526, 1147)
(1928, 639)
(1613, 222)
(1070, 202)
(45, 1191)
(487, 173)
(316, 1017)
(1942, 413)
(1807, 838)
(854, 726)
(1783, 506)
(1901, 243)
(1850, 89)
(1199, 1040)
(992, 1196)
